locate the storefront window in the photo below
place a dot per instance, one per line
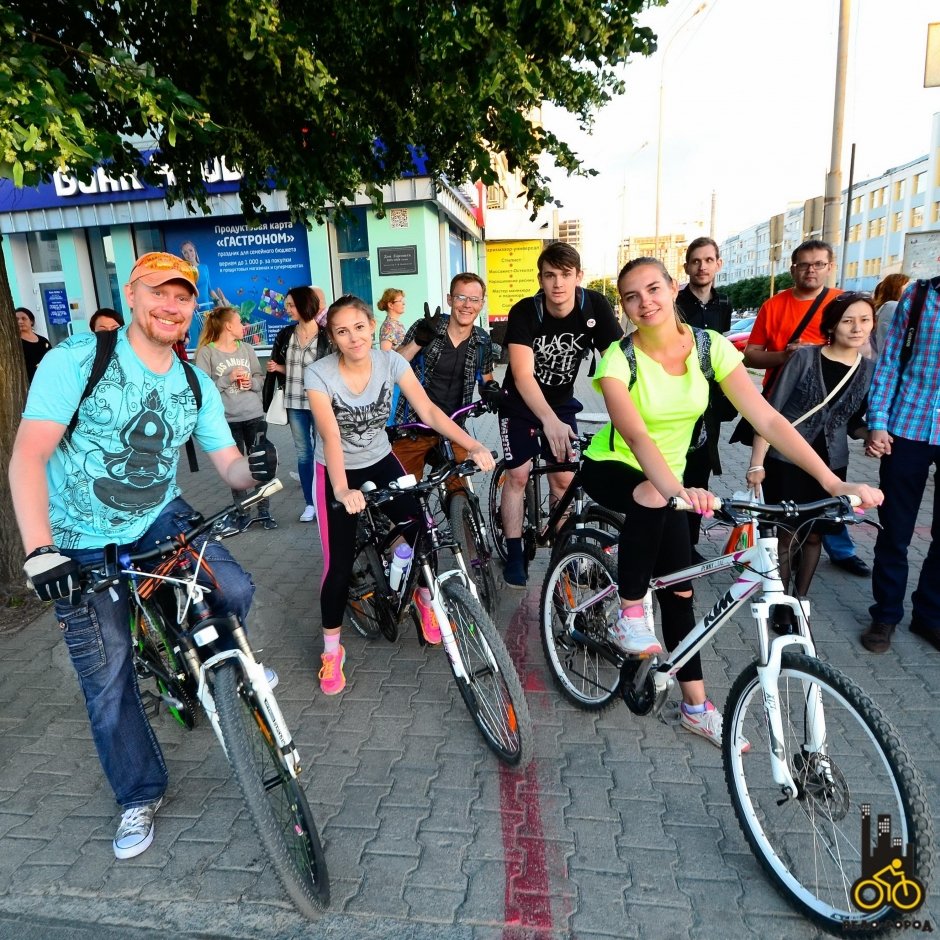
(455, 242)
(352, 244)
(44, 255)
(147, 238)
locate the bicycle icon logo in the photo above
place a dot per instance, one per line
(886, 877)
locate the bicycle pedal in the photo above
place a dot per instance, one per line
(150, 702)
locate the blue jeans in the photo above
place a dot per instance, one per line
(97, 634)
(304, 432)
(903, 476)
(839, 545)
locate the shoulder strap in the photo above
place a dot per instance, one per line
(105, 342)
(798, 332)
(626, 346)
(918, 302)
(703, 343)
(193, 381)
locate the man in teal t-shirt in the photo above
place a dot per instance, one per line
(113, 480)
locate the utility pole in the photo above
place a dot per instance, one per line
(833, 199)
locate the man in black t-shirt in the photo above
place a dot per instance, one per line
(547, 336)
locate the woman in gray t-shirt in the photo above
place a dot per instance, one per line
(350, 395)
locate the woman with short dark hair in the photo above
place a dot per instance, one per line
(34, 345)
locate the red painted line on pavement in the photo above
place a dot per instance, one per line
(528, 908)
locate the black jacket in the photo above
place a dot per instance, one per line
(279, 355)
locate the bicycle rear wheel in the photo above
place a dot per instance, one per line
(466, 525)
(492, 691)
(579, 601)
(601, 527)
(810, 846)
(155, 659)
(274, 798)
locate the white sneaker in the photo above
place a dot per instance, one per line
(708, 724)
(633, 635)
(309, 514)
(294, 475)
(135, 832)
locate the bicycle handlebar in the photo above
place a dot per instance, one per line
(376, 497)
(473, 410)
(172, 544)
(785, 510)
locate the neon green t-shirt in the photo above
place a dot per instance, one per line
(669, 404)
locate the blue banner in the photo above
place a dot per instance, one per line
(250, 269)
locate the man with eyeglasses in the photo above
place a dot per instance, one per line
(782, 327)
(451, 356)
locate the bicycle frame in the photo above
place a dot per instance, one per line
(428, 544)
(759, 573)
(189, 594)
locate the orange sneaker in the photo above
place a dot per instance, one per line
(331, 675)
(429, 625)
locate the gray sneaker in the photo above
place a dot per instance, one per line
(135, 833)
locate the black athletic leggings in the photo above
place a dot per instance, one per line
(652, 542)
(338, 531)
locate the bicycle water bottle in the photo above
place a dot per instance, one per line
(401, 563)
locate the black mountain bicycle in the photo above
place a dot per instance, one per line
(484, 672)
(196, 657)
(460, 505)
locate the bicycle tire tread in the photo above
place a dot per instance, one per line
(459, 595)
(912, 789)
(238, 749)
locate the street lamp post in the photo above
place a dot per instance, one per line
(659, 143)
(833, 200)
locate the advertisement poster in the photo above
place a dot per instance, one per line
(511, 274)
(250, 269)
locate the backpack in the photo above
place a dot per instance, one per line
(580, 296)
(703, 344)
(105, 344)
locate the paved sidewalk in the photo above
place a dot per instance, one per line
(621, 827)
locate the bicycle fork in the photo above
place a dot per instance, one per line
(814, 741)
(443, 618)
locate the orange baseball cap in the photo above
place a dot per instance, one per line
(158, 267)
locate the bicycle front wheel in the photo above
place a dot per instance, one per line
(466, 524)
(579, 601)
(815, 847)
(274, 798)
(491, 690)
(361, 604)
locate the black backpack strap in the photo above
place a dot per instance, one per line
(193, 381)
(105, 343)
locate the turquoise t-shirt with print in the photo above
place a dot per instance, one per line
(112, 479)
(669, 404)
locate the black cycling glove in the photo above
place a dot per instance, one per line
(491, 394)
(52, 575)
(426, 328)
(262, 459)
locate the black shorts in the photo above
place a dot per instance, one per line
(520, 432)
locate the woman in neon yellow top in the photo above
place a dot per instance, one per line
(635, 464)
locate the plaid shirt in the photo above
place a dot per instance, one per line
(478, 362)
(296, 359)
(912, 409)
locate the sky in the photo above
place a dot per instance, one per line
(748, 112)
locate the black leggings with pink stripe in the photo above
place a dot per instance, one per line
(338, 531)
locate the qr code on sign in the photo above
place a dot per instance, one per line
(398, 218)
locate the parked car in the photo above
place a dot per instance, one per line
(740, 332)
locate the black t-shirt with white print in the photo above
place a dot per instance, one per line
(559, 344)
